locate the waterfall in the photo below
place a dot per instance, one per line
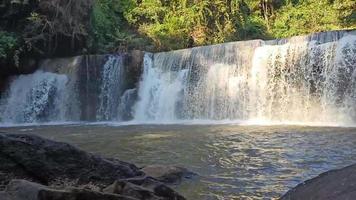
(111, 89)
(301, 80)
(127, 102)
(159, 92)
(309, 79)
(38, 97)
(87, 88)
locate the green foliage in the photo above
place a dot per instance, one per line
(104, 23)
(175, 24)
(346, 12)
(254, 28)
(8, 45)
(156, 25)
(109, 28)
(307, 17)
(184, 23)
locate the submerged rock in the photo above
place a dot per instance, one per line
(332, 185)
(167, 174)
(45, 164)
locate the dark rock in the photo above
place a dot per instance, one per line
(332, 185)
(155, 186)
(129, 189)
(135, 61)
(32, 157)
(61, 165)
(3, 84)
(167, 174)
(144, 188)
(4, 196)
(25, 190)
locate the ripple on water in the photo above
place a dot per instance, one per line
(234, 162)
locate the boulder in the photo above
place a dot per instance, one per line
(167, 174)
(45, 161)
(144, 188)
(4, 196)
(25, 190)
(332, 185)
(129, 189)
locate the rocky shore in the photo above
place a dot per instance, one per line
(34, 168)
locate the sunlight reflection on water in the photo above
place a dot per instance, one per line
(234, 162)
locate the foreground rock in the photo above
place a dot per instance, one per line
(332, 185)
(168, 174)
(143, 188)
(63, 166)
(22, 189)
(45, 161)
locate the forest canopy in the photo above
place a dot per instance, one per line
(173, 24)
(47, 28)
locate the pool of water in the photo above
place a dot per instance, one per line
(234, 162)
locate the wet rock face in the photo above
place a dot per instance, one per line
(332, 185)
(58, 171)
(134, 61)
(3, 84)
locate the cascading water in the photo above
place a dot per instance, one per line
(38, 97)
(305, 82)
(90, 91)
(111, 89)
(160, 92)
(127, 101)
(301, 80)
(307, 79)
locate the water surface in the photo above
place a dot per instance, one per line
(234, 162)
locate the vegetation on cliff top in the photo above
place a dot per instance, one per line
(174, 24)
(34, 28)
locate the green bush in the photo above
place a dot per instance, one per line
(8, 44)
(109, 29)
(175, 24)
(309, 17)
